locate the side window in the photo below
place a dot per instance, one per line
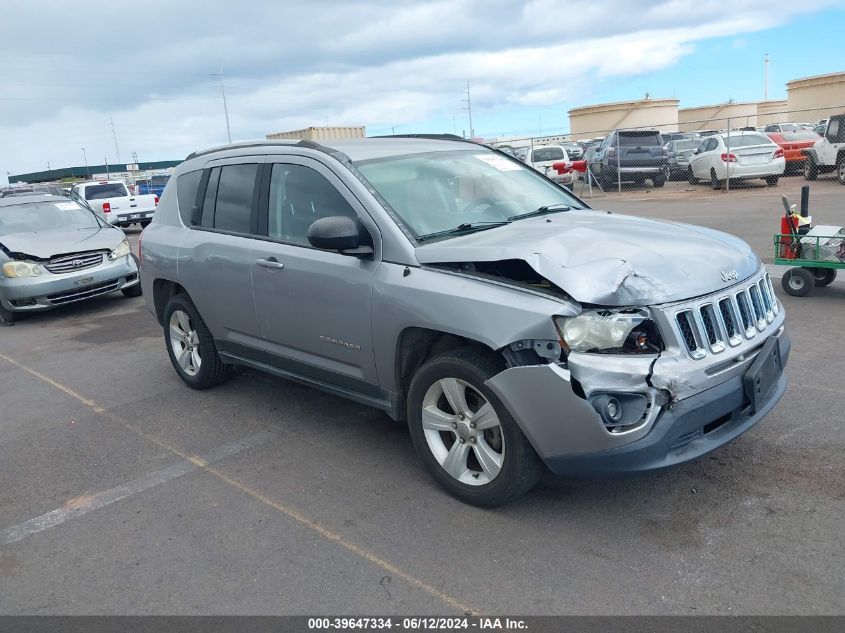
(233, 208)
(833, 130)
(210, 196)
(186, 194)
(299, 196)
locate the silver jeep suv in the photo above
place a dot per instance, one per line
(448, 284)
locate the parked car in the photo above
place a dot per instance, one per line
(793, 145)
(574, 151)
(749, 155)
(542, 159)
(783, 127)
(32, 190)
(509, 325)
(828, 153)
(54, 252)
(677, 157)
(113, 199)
(630, 156)
(154, 184)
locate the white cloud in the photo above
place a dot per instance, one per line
(294, 64)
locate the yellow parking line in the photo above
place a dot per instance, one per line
(297, 516)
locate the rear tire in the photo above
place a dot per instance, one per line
(196, 360)
(485, 466)
(823, 276)
(145, 223)
(811, 170)
(659, 181)
(715, 183)
(772, 181)
(798, 282)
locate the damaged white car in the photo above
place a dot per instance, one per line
(511, 326)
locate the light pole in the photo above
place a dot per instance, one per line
(85, 158)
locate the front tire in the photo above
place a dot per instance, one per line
(132, 291)
(191, 347)
(691, 177)
(798, 282)
(464, 435)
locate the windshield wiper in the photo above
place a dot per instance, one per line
(548, 208)
(466, 227)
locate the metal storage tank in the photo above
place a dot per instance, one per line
(321, 133)
(715, 117)
(820, 91)
(598, 120)
(767, 112)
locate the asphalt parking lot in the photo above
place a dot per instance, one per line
(123, 491)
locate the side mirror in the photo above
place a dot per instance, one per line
(338, 233)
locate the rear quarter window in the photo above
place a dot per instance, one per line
(186, 194)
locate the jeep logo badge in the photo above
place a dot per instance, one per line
(729, 275)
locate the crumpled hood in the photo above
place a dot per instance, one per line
(47, 244)
(609, 259)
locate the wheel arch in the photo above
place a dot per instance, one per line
(163, 291)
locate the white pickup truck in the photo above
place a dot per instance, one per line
(113, 200)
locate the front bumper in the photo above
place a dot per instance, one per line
(33, 294)
(571, 439)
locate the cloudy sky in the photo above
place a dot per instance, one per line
(388, 64)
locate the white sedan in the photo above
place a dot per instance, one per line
(750, 155)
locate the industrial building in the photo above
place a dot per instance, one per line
(810, 98)
(118, 171)
(335, 133)
(710, 117)
(597, 120)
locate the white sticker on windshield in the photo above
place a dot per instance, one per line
(499, 162)
(66, 206)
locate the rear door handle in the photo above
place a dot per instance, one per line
(270, 262)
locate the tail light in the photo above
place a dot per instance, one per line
(106, 207)
(728, 158)
(156, 200)
(778, 153)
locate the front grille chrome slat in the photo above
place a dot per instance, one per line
(709, 326)
(73, 263)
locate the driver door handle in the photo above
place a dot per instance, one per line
(270, 262)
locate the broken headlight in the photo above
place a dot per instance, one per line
(21, 269)
(122, 250)
(618, 331)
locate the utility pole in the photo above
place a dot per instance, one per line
(48, 165)
(766, 77)
(225, 107)
(468, 108)
(114, 136)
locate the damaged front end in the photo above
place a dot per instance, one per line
(635, 389)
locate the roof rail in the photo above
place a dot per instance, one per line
(436, 137)
(266, 142)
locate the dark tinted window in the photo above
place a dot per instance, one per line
(108, 190)
(635, 139)
(186, 194)
(548, 153)
(233, 208)
(160, 180)
(299, 196)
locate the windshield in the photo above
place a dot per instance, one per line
(801, 135)
(439, 191)
(639, 139)
(687, 144)
(160, 180)
(746, 140)
(108, 190)
(45, 216)
(548, 153)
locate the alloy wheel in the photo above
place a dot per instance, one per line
(463, 432)
(185, 342)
